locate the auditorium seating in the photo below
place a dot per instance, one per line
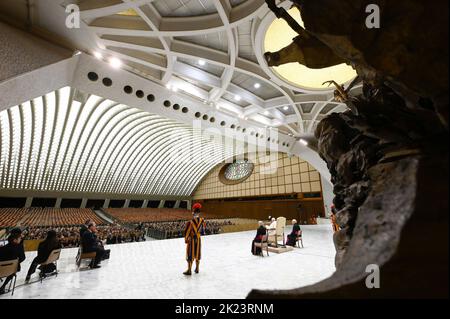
(34, 216)
(136, 215)
(133, 215)
(10, 217)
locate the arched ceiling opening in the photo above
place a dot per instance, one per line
(66, 141)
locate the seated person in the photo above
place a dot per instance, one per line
(12, 250)
(84, 227)
(260, 232)
(272, 228)
(90, 244)
(292, 237)
(50, 243)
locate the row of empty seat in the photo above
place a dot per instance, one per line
(10, 217)
(34, 216)
(136, 215)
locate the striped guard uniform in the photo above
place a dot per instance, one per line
(192, 237)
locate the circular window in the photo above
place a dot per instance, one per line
(128, 89)
(107, 82)
(92, 76)
(140, 94)
(236, 172)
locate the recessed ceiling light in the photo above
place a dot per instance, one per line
(286, 108)
(303, 142)
(237, 97)
(201, 62)
(98, 55)
(115, 62)
(77, 52)
(256, 85)
(246, 118)
(266, 112)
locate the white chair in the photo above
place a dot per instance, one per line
(8, 268)
(279, 231)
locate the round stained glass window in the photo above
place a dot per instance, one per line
(236, 172)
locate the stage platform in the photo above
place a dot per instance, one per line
(153, 269)
(280, 249)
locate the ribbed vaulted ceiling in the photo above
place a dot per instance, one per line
(72, 142)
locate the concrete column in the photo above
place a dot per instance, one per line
(189, 204)
(177, 204)
(83, 203)
(127, 203)
(106, 203)
(161, 204)
(145, 203)
(28, 202)
(58, 202)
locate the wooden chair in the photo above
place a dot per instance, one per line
(263, 244)
(81, 256)
(299, 239)
(52, 259)
(8, 268)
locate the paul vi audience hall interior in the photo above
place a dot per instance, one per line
(223, 149)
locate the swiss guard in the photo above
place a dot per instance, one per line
(192, 237)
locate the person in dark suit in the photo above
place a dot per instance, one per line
(50, 243)
(84, 227)
(260, 232)
(91, 244)
(12, 250)
(292, 237)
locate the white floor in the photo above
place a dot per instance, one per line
(154, 269)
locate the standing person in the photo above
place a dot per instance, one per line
(50, 243)
(300, 214)
(192, 237)
(260, 232)
(12, 250)
(333, 219)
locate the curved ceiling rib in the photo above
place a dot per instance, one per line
(66, 141)
(165, 41)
